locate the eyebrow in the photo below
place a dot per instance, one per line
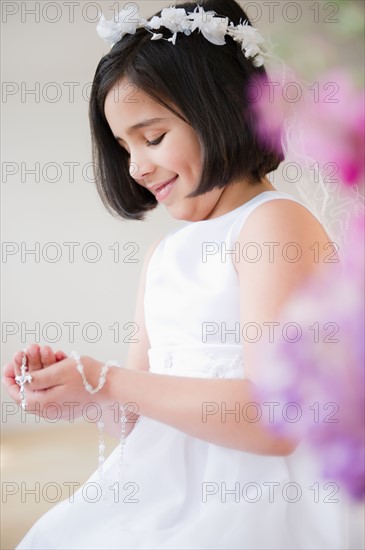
(142, 124)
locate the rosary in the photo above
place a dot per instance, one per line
(123, 418)
(23, 379)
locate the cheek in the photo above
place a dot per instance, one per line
(185, 156)
(195, 153)
(192, 155)
(180, 159)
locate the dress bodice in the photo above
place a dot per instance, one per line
(192, 295)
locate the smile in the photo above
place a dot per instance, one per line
(164, 190)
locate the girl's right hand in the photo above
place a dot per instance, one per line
(37, 358)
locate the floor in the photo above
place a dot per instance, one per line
(38, 467)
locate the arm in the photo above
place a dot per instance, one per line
(178, 401)
(265, 286)
(268, 284)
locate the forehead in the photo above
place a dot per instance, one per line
(126, 103)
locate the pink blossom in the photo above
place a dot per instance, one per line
(322, 374)
(332, 120)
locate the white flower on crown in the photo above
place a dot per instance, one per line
(258, 61)
(251, 40)
(212, 28)
(112, 31)
(172, 18)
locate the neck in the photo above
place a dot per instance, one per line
(238, 193)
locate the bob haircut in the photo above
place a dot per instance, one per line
(208, 84)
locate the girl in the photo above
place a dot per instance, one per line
(172, 123)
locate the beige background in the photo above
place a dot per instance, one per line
(44, 128)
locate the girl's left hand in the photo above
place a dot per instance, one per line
(58, 389)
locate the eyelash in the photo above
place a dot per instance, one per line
(156, 141)
(151, 143)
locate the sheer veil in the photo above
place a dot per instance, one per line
(300, 174)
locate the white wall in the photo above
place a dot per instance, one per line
(36, 129)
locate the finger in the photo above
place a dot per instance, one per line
(17, 361)
(44, 379)
(48, 403)
(47, 356)
(33, 398)
(60, 355)
(34, 361)
(11, 386)
(9, 370)
(13, 392)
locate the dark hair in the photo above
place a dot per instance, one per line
(207, 83)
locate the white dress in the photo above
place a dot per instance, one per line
(176, 491)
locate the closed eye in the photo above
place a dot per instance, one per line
(149, 144)
(156, 141)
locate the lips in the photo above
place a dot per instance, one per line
(163, 190)
(158, 187)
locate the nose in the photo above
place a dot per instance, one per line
(141, 167)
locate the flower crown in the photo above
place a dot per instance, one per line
(213, 28)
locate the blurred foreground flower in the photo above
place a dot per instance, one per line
(316, 381)
(331, 115)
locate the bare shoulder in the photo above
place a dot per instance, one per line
(286, 225)
(281, 243)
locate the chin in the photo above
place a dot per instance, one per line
(187, 210)
(184, 214)
(178, 214)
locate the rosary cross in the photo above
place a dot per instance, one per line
(23, 379)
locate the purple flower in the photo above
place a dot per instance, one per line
(318, 379)
(331, 115)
